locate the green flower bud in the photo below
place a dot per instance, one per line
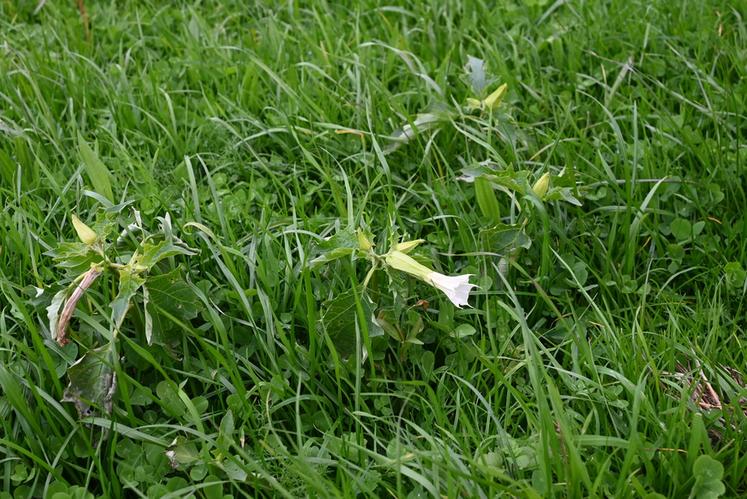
(408, 246)
(85, 233)
(542, 185)
(364, 244)
(493, 100)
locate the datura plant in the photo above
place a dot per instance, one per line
(142, 267)
(444, 112)
(456, 288)
(348, 315)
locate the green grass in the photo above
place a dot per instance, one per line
(235, 118)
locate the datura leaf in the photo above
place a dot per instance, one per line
(92, 381)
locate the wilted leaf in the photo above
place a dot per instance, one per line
(477, 74)
(147, 316)
(53, 311)
(422, 123)
(92, 381)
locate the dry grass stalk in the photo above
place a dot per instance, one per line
(84, 18)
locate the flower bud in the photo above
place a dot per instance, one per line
(364, 244)
(473, 103)
(493, 100)
(541, 186)
(85, 233)
(408, 246)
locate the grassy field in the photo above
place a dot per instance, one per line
(236, 314)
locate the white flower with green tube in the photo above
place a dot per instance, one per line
(456, 288)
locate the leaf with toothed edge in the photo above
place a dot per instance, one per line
(477, 74)
(342, 244)
(154, 253)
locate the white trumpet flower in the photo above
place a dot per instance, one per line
(456, 288)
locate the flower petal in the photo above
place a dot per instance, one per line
(456, 288)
